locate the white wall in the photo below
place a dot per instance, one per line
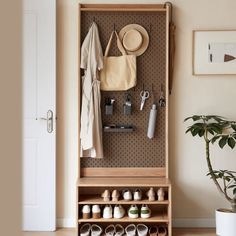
(194, 195)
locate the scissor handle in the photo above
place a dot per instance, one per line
(144, 94)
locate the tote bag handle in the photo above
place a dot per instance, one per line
(121, 48)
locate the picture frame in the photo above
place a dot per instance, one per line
(214, 52)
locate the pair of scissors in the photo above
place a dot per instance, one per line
(144, 95)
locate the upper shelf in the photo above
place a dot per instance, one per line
(122, 182)
(123, 7)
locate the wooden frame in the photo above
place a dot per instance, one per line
(122, 7)
(92, 179)
(128, 172)
(158, 172)
(209, 44)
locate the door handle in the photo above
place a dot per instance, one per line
(49, 120)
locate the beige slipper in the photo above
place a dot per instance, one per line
(151, 194)
(106, 195)
(115, 195)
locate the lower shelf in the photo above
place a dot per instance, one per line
(162, 218)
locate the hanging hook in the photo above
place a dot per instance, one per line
(170, 5)
(114, 27)
(94, 19)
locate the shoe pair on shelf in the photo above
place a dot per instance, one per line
(86, 212)
(127, 195)
(114, 230)
(133, 212)
(140, 229)
(118, 213)
(152, 195)
(90, 230)
(157, 231)
(107, 195)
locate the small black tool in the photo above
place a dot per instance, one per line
(127, 106)
(109, 105)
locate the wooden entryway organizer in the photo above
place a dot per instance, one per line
(131, 159)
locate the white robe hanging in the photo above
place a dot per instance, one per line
(91, 123)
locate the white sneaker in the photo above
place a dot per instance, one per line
(107, 212)
(85, 230)
(96, 230)
(142, 230)
(86, 212)
(119, 212)
(110, 230)
(96, 212)
(133, 212)
(145, 212)
(119, 230)
(127, 195)
(130, 230)
(137, 195)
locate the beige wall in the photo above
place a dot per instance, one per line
(194, 195)
(10, 116)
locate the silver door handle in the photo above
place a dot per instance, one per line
(49, 120)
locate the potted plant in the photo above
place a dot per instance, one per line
(216, 129)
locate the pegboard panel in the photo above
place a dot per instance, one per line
(133, 149)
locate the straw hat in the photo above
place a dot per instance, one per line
(134, 38)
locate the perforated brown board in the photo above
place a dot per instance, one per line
(133, 149)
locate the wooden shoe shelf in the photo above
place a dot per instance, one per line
(90, 189)
(131, 160)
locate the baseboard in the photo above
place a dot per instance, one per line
(178, 223)
(194, 223)
(66, 223)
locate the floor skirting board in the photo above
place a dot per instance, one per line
(178, 223)
(194, 223)
(66, 222)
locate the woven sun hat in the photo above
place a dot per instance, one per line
(135, 39)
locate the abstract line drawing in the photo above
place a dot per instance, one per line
(222, 52)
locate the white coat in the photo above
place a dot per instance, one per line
(91, 123)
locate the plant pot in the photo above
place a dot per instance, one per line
(225, 222)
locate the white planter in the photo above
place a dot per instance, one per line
(225, 223)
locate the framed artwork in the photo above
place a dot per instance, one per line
(214, 52)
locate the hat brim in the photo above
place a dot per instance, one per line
(144, 34)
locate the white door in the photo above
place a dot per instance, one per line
(39, 103)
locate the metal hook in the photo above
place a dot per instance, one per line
(143, 86)
(94, 19)
(114, 27)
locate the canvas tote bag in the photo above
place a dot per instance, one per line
(119, 72)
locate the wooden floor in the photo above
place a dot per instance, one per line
(176, 232)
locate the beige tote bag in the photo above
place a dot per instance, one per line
(118, 73)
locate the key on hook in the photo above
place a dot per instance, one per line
(162, 100)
